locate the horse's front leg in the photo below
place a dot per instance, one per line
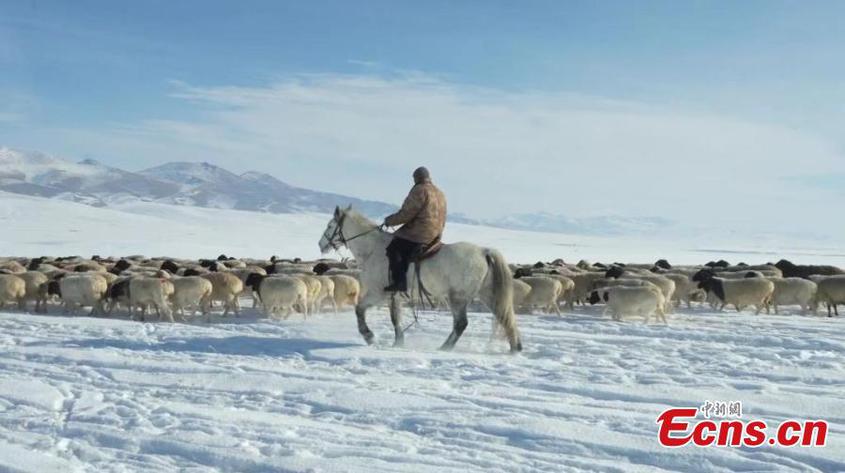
(396, 319)
(361, 314)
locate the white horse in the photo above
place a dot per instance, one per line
(458, 273)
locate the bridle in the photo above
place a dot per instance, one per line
(337, 240)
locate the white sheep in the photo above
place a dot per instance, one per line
(12, 290)
(150, 292)
(611, 282)
(666, 285)
(740, 274)
(34, 281)
(797, 291)
(291, 270)
(544, 294)
(49, 269)
(326, 293)
(193, 292)
(226, 287)
(520, 293)
(84, 290)
(314, 288)
(685, 288)
(739, 292)
(634, 300)
(283, 293)
(583, 287)
(234, 264)
(347, 289)
(243, 274)
(601, 284)
(831, 291)
(567, 285)
(12, 267)
(344, 272)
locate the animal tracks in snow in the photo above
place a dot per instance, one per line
(88, 394)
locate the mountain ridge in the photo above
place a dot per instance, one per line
(203, 184)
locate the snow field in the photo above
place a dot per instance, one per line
(251, 395)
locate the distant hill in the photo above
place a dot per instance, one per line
(194, 184)
(205, 185)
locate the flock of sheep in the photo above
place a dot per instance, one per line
(167, 286)
(655, 289)
(137, 284)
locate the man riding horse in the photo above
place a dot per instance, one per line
(423, 217)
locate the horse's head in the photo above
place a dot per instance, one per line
(333, 235)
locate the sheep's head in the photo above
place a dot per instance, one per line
(122, 265)
(169, 266)
(253, 280)
(784, 264)
(703, 275)
(522, 272)
(614, 272)
(320, 268)
(54, 289)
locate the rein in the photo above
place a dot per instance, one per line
(338, 232)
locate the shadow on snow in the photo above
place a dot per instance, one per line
(236, 345)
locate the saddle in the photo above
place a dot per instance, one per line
(427, 251)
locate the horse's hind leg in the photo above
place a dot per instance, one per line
(459, 314)
(396, 319)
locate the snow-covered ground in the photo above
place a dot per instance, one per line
(252, 395)
(88, 394)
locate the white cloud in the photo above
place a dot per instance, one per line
(493, 151)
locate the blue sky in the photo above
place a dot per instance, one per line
(538, 97)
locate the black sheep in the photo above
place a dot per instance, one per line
(791, 270)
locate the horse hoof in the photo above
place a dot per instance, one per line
(399, 344)
(369, 338)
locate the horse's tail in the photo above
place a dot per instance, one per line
(502, 297)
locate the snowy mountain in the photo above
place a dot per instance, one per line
(193, 184)
(88, 181)
(206, 185)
